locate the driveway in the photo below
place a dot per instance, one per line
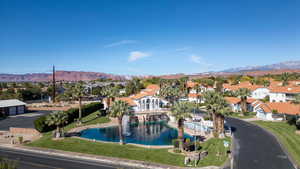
(23, 120)
(255, 148)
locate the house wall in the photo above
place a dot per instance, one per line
(260, 93)
(277, 97)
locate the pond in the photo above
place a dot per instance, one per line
(158, 134)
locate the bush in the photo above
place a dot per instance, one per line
(72, 113)
(41, 126)
(291, 120)
(298, 124)
(175, 143)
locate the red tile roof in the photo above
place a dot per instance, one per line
(282, 107)
(247, 85)
(236, 100)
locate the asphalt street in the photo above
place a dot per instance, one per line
(23, 120)
(256, 149)
(28, 160)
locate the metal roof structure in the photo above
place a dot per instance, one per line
(11, 103)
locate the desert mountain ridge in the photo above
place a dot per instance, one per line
(278, 68)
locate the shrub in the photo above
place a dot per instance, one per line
(298, 124)
(41, 126)
(175, 143)
(7, 164)
(291, 120)
(72, 114)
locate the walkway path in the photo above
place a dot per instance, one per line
(255, 148)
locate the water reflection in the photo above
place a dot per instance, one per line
(147, 134)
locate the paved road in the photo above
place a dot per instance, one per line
(28, 160)
(256, 148)
(22, 120)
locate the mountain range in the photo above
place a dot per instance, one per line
(278, 68)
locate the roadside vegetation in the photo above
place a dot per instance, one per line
(286, 133)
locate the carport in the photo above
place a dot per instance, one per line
(12, 107)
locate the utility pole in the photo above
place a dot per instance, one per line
(53, 85)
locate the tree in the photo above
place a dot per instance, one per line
(266, 83)
(285, 77)
(218, 107)
(170, 93)
(58, 119)
(110, 92)
(76, 92)
(118, 109)
(243, 93)
(133, 86)
(181, 110)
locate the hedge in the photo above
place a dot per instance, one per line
(73, 114)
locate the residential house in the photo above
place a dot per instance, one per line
(257, 91)
(235, 104)
(276, 111)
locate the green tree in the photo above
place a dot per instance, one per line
(133, 86)
(243, 93)
(218, 107)
(58, 119)
(110, 92)
(284, 78)
(181, 110)
(170, 93)
(76, 92)
(118, 109)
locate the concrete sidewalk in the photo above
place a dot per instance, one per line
(97, 158)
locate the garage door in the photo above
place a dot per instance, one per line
(12, 111)
(20, 109)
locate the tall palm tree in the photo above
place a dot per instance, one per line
(118, 109)
(243, 93)
(110, 92)
(59, 119)
(181, 110)
(170, 93)
(285, 77)
(78, 92)
(218, 107)
(266, 83)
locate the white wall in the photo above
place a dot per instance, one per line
(277, 97)
(260, 93)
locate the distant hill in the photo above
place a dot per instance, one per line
(278, 68)
(292, 65)
(60, 75)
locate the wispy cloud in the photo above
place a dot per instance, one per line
(195, 58)
(136, 55)
(182, 49)
(199, 60)
(119, 43)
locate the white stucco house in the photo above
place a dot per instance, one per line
(146, 100)
(275, 111)
(283, 93)
(235, 104)
(257, 91)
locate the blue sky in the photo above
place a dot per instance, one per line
(146, 36)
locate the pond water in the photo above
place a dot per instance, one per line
(146, 134)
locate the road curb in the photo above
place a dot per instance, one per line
(97, 158)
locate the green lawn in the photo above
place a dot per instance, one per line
(237, 115)
(287, 136)
(213, 146)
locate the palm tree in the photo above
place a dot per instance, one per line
(285, 77)
(180, 110)
(172, 94)
(111, 92)
(58, 119)
(266, 83)
(118, 109)
(243, 93)
(218, 107)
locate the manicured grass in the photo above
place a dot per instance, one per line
(213, 146)
(89, 120)
(287, 136)
(216, 150)
(237, 115)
